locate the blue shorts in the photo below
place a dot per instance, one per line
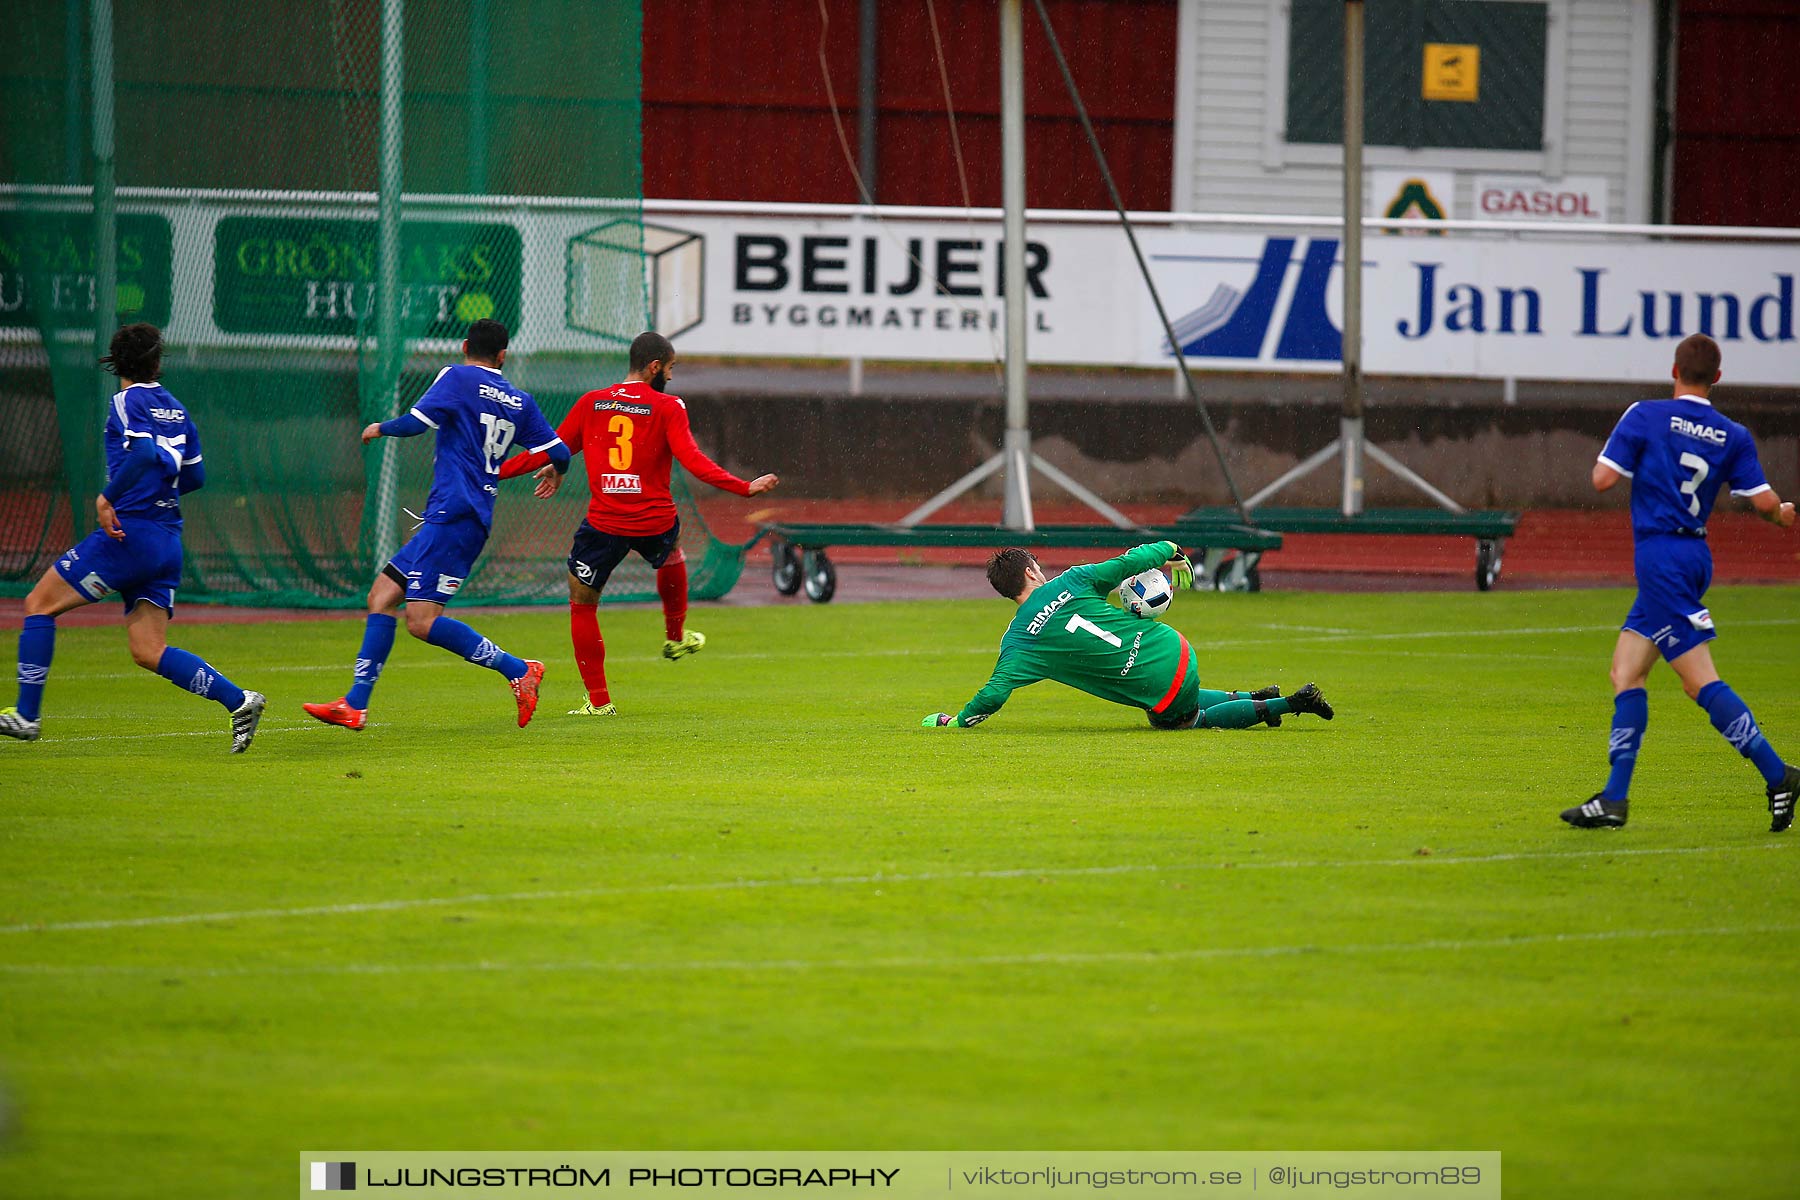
(145, 566)
(436, 560)
(1673, 573)
(595, 555)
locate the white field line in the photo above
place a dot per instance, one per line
(447, 660)
(903, 963)
(476, 899)
(223, 735)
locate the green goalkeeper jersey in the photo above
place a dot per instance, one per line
(1066, 631)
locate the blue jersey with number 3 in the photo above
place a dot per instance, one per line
(480, 418)
(1678, 454)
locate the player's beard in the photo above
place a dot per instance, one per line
(660, 380)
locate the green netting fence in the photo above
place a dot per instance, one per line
(244, 191)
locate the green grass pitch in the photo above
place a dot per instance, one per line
(765, 910)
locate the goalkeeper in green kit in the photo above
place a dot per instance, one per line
(1065, 630)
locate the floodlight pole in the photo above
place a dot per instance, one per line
(478, 97)
(390, 354)
(86, 473)
(1352, 443)
(1016, 460)
(106, 242)
(1350, 425)
(72, 92)
(1016, 446)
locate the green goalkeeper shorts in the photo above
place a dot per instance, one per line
(1183, 712)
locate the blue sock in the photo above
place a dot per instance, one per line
(378, 643)
(1631, 713)
(200, 677)
(458, 638)
(37, 644)
(1731, 717)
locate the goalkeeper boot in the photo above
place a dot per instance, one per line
(590, 709)
(692, 642)
(244, 720)
(525, 690)
(1782, 798)
(1598, 813)
(338, 712)
(1310, 700)
(13, 725)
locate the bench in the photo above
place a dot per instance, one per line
(1489, 528)
(800, 558)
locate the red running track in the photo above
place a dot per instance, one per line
(1552, 548)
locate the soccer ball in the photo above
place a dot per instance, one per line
(1147, 595)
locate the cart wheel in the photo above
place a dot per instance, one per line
(1487, 563)
(820, 577)
(786, 570)
(1251, 581)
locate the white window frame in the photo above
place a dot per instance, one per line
(1279, 153)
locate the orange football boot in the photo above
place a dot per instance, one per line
(338, 712)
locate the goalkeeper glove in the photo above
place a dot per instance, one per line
(938, 721)
(1181, 572)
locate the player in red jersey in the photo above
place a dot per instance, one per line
(630, 432)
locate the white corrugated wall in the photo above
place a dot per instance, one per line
(1231, 155)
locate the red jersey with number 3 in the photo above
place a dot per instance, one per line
(631, 432)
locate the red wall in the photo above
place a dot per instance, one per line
(1736, 154)
(736, 108)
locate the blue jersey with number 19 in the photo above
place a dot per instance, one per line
(1677, 454)
(479, 417)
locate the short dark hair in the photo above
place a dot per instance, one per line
(136, 353)
(650, 347)
(487, 338)
(1697, 360)
(1006, 570)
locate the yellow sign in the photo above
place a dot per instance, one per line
(1452, 72)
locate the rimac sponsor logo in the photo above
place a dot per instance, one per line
(613, 483)
(1045, 613)
(501, 396)
(1693, 429)
(334, 1177)
(167, 414)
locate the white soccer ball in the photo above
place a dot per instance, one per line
(1147, 595)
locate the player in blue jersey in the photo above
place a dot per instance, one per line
(1678, 453)
(479, 418)
(152, 459)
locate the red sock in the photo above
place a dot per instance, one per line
(590, 651)
(671, 585)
